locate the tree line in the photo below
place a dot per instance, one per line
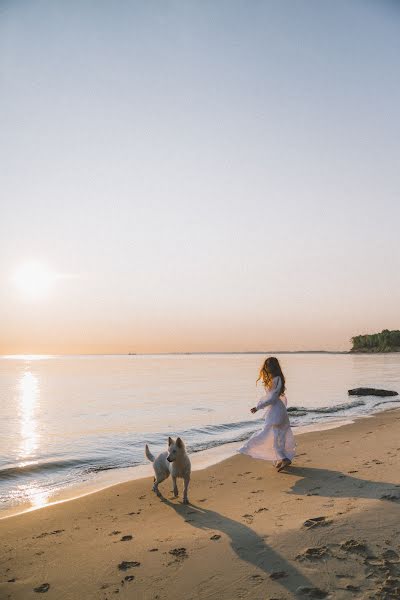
(385, 341)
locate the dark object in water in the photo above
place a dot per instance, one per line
(371, 392)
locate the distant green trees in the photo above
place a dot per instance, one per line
(386, 341)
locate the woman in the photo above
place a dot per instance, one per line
(275, 442)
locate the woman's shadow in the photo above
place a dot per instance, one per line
(246, 543)
(335, 484)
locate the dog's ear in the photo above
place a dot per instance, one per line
(170, 441)
(179, 443)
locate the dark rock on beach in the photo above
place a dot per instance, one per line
(364, 391)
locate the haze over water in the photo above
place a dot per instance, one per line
(66, 419)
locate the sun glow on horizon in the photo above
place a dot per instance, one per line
(34, 280)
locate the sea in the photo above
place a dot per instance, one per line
(70, 425)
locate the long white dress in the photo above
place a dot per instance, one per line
(275, 441)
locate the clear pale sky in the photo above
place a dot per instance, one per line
(214, 175)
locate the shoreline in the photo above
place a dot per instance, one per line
(328, 527)
(200, 460)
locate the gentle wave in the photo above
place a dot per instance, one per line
(122, 453)
(36, 467)
(300, 410)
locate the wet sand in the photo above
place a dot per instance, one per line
(327, 528)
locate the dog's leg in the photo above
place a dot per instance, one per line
(175, 487)
(157, 481)
(155, 487)
(185, 490)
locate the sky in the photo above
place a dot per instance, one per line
(198, 176)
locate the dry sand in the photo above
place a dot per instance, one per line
(327, 528)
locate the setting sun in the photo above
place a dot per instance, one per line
(34, 280)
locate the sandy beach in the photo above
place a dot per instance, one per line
(328, 528)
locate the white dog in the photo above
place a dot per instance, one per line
(174, 462)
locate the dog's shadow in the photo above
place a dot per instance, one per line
(246, 544)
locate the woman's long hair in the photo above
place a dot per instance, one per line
(270, 369)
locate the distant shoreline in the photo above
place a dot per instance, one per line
(211, 353)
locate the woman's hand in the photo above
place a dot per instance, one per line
(253, 410)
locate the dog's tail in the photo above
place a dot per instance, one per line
(149, 454)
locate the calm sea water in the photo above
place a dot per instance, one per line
(66, 419)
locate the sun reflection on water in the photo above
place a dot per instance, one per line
(37, 496)
(28, 400)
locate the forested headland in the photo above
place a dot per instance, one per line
(385, 341)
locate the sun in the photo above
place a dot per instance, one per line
(34, 279)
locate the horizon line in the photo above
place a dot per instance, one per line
(47, 355)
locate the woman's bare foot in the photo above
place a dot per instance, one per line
(284, 463)
(278, 464)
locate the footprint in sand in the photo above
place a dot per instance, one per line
(316, 522)
(313, 553)
(153, 550)
(115, 533)
(354, 546)
(128, 564)
(179, 553)
(391, 556)
(278, 575)
(309, 592)
(390, 497)
(126, 538)
(215, 537)
(352, 588)
(248, 518)
(41, 589)
(46, 533)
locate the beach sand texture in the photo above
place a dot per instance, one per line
(328, 528)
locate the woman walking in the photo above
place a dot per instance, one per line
(275, 442)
